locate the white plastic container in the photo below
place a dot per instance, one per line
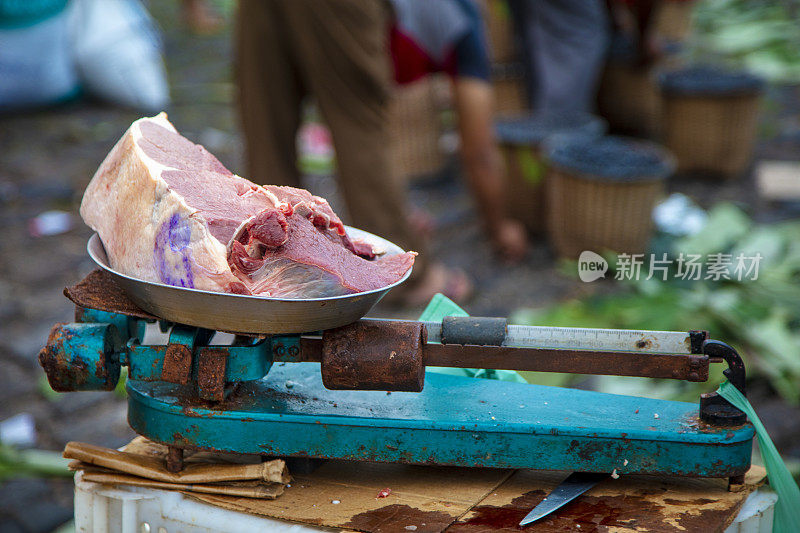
(756, 513)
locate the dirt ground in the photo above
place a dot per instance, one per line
(48, 157)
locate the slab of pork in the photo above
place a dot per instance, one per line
(168, 211)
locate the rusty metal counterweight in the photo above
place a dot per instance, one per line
(366, 355)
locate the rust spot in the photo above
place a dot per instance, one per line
(67, 370)
(179, 440)
(395, 518)
(100, 370)
(177, 364)
(693, 422)
(79, 312)
(644, 343)
(174, 459)
(586, 451)
(51, 360)
(211, 365)
(99, 291)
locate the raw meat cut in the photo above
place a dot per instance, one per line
(168, 211)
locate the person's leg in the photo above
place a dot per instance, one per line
(569, 42)
(342, 47)
(270, 93)
(483, 166)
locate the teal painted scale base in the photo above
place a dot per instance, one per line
(453, 421)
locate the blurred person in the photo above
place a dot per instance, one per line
(201, 17)
(448, 36)
(334, 51)
(563, 46)
(637, 20)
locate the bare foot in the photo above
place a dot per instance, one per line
(511, 240)
(452, 282)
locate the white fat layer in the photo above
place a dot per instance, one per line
(162, 189)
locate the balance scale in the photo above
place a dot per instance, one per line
(359, 391)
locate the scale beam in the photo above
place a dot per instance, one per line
(655, 354)
(653, 365)
(687, 367)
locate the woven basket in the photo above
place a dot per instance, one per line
(499, 30)
(711, 135)
(526, 170)
(415, 119)
(590, 212)
(509, 96)
(711, 119)
(525, 176)
(508, 82)
(586, 214)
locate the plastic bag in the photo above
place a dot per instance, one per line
(117, 50)
(36, 66)
(787, 510)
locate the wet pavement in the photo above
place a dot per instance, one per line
(48, 157)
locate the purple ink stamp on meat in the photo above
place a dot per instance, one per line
(171, 252)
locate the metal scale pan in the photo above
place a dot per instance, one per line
(248, 314)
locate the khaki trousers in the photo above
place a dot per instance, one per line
(336, 52)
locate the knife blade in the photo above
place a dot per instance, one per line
(573, 486)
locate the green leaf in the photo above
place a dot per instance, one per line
(43, 463)
(755, 35)
(726, 224)
(533, 169)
